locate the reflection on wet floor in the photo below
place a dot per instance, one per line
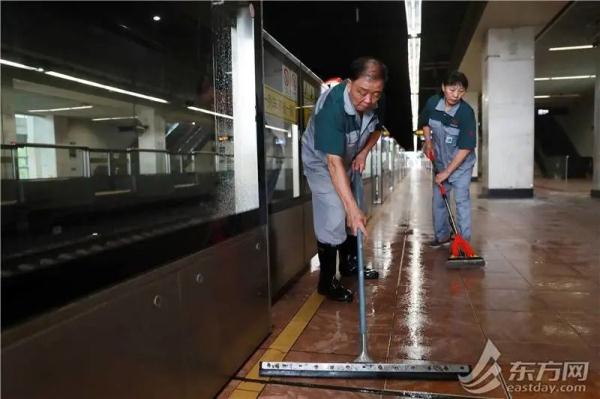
(537, 299)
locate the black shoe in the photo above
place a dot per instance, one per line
(351, 269)
(336, 292)
(349, 260)
(435, 243)
(328, 284)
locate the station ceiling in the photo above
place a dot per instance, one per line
(327, 36)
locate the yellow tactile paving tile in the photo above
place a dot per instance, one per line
(277, 351)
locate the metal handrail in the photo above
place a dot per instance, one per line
(41, 145)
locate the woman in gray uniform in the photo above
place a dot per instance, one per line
(449, 128)
(339, 135)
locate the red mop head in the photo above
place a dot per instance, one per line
(460, 247)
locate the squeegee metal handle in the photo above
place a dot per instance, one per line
(363, 356)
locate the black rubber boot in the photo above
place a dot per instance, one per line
(328, 284)
(349, 259)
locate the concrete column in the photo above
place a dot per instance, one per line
(472, 97)
(153, 138)
(508, 113)
(8, 128)
(596, 154)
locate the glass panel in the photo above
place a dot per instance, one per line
(50, 162)
(8, 163)
(100, 163)
(152, 163)
(282, 126)
(127, 115)
(119, 163)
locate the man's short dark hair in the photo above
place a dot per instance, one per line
(368, 67)
(456, 77)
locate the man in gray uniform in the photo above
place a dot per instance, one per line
(339, 135)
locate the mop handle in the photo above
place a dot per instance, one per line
(444, 195)
(364, 356)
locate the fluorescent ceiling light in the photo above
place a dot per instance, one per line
(414, 56)
(114, 118)
(582, 47)
(557, 96)
(61, 109)
(210, 112)
(277, 129)
(22, 66)
(101, 86)
(413, 25)
(567, 77)
(414, 103)
(156, 18)
(573, 77)
(413, 17)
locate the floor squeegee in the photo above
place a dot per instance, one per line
(364, 366)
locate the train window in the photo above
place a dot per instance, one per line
(282, 129)
(118, 125)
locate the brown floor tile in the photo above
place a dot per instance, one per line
(506, 299)
(421, 298)
(590, 271)
(543, 352)
(495, 280)
(437, 349)
(570, 301)
(336, 316)
(587, 326)
(340, 342)
(492, 266)
(527, 327)
(561, 283)
(441, 387)
(287, 392)
(540, 269)
(436, 323)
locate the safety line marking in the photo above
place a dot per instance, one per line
(277, 351)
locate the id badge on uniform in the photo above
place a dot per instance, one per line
(448, 139)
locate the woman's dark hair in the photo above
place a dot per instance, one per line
(368, 67)
(455, 77)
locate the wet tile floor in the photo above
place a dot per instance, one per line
(537, 300)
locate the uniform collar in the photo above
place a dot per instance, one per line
(349, 108)
(441, 106)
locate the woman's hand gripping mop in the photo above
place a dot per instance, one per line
(363, 366)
